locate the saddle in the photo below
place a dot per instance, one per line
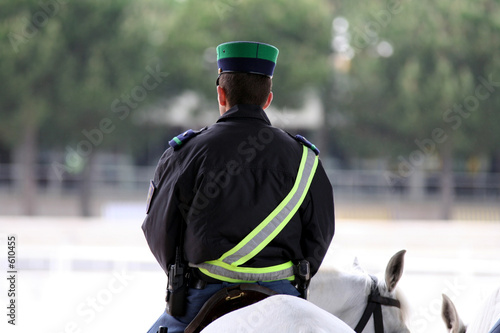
(227, 300)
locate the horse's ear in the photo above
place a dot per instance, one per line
(357, 267)
(394, 270)
(450, 316)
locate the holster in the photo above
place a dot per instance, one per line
(302, 271)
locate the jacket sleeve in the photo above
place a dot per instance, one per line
(163, 221)
(318, 220)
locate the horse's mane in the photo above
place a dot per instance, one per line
(400, 296)
(358, 283)
(405, 311)
(327, 274)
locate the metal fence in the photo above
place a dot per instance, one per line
(427, 184)
(369, 183)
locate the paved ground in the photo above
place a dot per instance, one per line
(115, 202)
(93, 275)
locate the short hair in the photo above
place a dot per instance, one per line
(245, 88)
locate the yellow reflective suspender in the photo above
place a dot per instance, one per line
(226, 268)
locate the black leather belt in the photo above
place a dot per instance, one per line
(196, 283)
(198, 280)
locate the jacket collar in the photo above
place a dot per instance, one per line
(245, 111)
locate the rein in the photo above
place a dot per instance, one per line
(374, 306)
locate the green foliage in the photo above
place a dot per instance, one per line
(71, 65)
(301, 32)
(99, 62)
(65, 64)
(25, 68)
(443, 51)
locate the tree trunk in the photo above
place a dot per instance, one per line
(493, 179)
(86, 187)
(322, 135)
(28, 179)
(447, 181)
(417, 183)
(321, 138)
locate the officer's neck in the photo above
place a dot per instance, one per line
(223, 109)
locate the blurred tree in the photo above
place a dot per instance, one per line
(413, 80)
(75, 71)
(103, 76)
(27, 43)
(425, 79)
(301, 32)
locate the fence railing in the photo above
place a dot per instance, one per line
(426, 183)
(378, 183)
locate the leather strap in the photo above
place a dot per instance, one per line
(227, 300)
(374, 306)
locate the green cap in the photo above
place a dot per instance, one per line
(247, 57)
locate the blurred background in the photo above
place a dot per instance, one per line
(401, 97)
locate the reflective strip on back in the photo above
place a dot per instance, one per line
(226, 268)
(268, 229)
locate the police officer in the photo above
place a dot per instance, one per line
(245, 200)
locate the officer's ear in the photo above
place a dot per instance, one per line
(269, 100)
(221, 96)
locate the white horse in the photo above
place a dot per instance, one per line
(344, 296)
(488, 315)
(279, 314)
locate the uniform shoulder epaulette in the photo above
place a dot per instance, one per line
(179, 140)
(306, 143)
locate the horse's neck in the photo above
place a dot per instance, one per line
(342, 294)
(350, 292)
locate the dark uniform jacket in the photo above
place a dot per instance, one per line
(223, 182)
